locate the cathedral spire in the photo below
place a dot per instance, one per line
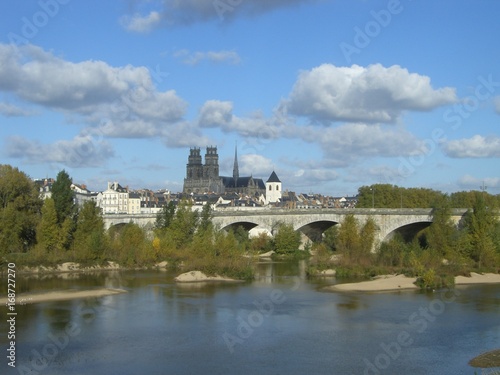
(236, 172)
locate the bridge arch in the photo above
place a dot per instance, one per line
(314, 230)
(408, 231)
(247, 225)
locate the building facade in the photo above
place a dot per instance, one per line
(204, 177)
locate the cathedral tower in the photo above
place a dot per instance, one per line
(236, 171)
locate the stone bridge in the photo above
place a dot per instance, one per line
(311, 223)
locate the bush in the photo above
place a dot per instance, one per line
(429, 280)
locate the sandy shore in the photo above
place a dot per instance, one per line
(401, 282)
(198, 276)
(379, 284)
(476, 278)
(27, 298)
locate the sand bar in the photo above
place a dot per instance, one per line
(476, 278)
(487, 360)
(379, 284)
(61, 295)
(198, 276)
(401, 282)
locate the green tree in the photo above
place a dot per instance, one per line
(481, 224)
(63, 197)
(441, 235)
(348, 240)
(392, 196)
(286, 240)
(48, 234)
(90, 241)
(165, 216)
(261, 243)
(20, 207)
(329, 237)
(367, 236)
(129, 243)
(183, 226)
(206, 216)
(242, 238)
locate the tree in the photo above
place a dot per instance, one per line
(165, 216)
(206, 218)
(348, 240)
(392, 196)
(367, 236)
(20, 207)
(48, 231)
(329, 237)
(442, 232)
(183, 226)
(90, 240)
(63, 197)
(129, 243)
(286, 240)
(481, 225)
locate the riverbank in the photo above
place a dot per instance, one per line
(62, 295)
(388, 283)
(72, 267)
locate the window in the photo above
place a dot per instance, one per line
(270, 188)
(277, 187)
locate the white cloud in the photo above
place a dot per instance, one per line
(185, 134)
(255, 165)
(329, 93)
(172, 13)
(81, 151)
(91, 92)
(194, 58)
(215, 113)
(308, 178)
(10, 110)
(476, 147)
(470, 182)
(348, 143)
(141, 24)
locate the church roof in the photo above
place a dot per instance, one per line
(242, 182)
(273, 178)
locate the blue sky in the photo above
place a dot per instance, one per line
(330, 94)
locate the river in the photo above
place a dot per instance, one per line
(281, 323)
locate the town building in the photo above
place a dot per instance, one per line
(273, 189)
(114, 200)
(204, 178)
(82, 194)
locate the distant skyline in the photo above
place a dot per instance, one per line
(330, 94)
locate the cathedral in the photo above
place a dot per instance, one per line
(204, 178)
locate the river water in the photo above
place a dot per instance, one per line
(281, 323)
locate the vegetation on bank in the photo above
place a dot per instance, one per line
(53, 231)
(435, 255)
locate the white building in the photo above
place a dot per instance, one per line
(273, 189)
(114, 200)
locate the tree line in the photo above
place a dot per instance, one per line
(54, 230)
(393, 196)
